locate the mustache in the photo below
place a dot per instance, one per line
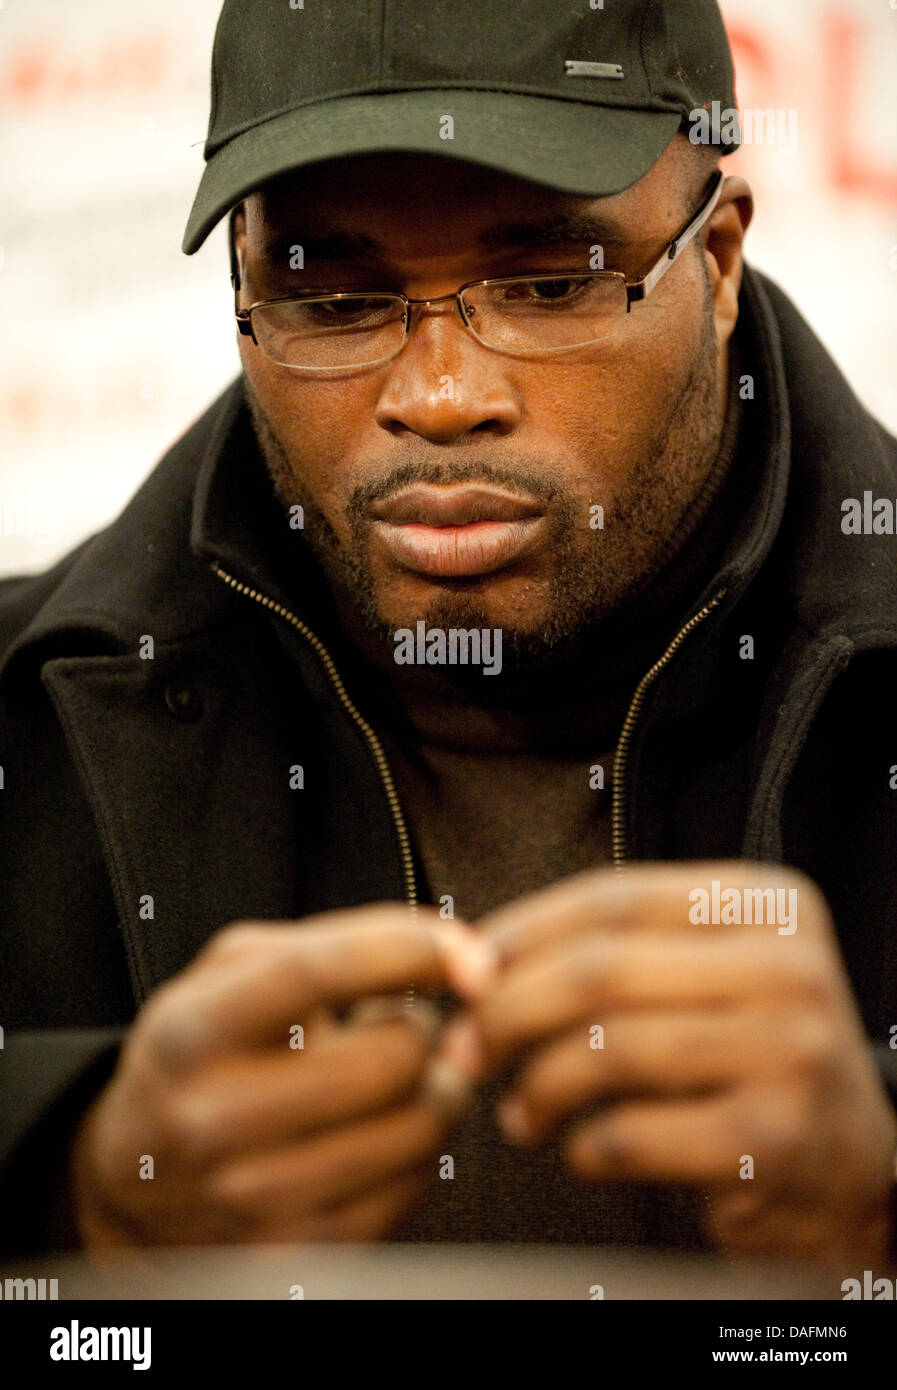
(531, 482)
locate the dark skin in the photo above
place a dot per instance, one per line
(632, 424)
(720, 1042)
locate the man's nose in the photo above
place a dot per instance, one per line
(444, 383)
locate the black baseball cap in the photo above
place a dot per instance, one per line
(582, 96)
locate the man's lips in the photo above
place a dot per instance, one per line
(456, 532)
(452, 506)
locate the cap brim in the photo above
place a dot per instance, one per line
(590, 151)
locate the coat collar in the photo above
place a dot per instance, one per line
(809, 444)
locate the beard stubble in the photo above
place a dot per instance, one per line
(590, 581)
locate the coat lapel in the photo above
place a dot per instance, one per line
(194, 814)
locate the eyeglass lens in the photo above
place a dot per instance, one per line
(542, 313)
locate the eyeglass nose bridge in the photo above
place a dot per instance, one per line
(416, 307)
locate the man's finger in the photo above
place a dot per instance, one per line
(262, 1100)
(657, 897)
(589, 979)
(662, 1054)
(376, 1213)
(698, 1142)
(331, 1168)
(253, 984)
(659, 1054)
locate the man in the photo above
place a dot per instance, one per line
(512, 561)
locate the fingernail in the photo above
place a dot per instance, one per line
(392, 1009)
(514, 1119)
(471, 960)
(461, 1046)
(425, 1015)
(444, 1085)
(377, 1008)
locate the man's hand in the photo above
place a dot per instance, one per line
(252, 1139)
(732, 1056)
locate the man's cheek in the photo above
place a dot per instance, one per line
(313, 457)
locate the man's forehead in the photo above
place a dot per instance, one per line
(347, 208)
(333, 243)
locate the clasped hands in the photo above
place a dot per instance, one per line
(643, 1020)
(726, 1054)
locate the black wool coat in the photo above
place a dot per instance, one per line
(136, 784)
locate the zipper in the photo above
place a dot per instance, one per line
(618, 805)
(373, 742)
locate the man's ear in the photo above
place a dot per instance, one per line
(723, 239)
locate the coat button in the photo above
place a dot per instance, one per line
(183, 702)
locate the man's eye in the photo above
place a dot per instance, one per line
(352, 310)
(560, 291)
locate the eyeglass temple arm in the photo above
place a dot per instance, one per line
(640, 288)
(232, 250)
(242, 317)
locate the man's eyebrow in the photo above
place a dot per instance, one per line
(555, 231)
(505, 236)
